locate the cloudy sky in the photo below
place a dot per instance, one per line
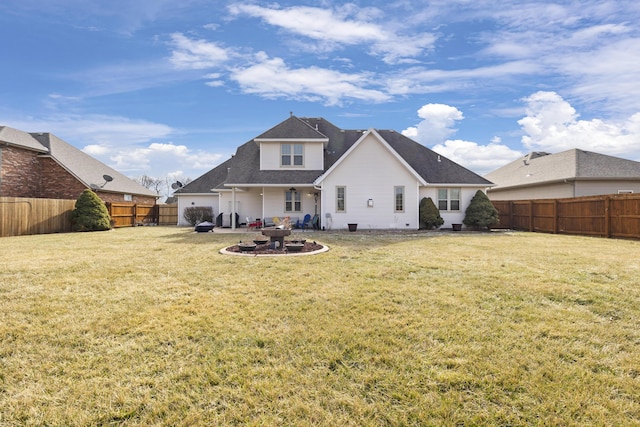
(171, 88)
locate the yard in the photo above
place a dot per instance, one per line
(152, 326)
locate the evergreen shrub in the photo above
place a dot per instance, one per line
(429, 214)
(481, 213)
(90, 213)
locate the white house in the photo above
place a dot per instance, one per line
(373, 178)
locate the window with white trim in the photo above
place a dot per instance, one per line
(449, 199)
(398, 199)
(341, 199)
(292, 155)
(292, 201)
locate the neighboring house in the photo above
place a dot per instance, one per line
(41, 165)
(571, 173)
(373, 178)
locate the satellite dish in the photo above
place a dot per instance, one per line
(176, 185)
(107, 178)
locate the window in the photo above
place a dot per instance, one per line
(341, 199)
(291, 155)
(292, 202)
(399, 199)
(449, 199)
(128, 198)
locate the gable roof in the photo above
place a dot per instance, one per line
(292, 128)
(243, 169)
(381, 140)
(210, 181)
(86, 169)
(20, 139)
(574, 164)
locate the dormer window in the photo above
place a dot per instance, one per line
(291, 155)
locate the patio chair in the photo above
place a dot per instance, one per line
(253, 223)
(305, 221)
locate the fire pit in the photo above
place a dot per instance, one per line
(276, 235)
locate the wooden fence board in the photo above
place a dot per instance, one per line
(22, 216)
(613, 215)
(132, 214)
(168, 214)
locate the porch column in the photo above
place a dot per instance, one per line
(233, 208)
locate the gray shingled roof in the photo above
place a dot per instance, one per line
(292, 128)
(537, 168)
(243, 168)
(214, 179)
(86, 169)
(20, 139)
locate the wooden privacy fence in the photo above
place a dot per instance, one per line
(168, 214)
(132, 214)
(20, 216)
(613, 215)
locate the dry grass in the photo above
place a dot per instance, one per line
(151, 326)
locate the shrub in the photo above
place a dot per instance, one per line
(197, 214)
(481, 213)
(429, 214)
(90, 213)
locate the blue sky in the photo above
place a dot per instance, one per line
(171, 88)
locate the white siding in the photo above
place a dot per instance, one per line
(270, 156)
(451, 217)
(196, 200)
(371, 172)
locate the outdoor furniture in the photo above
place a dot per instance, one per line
(204, 227)
(305, 221)
(253, 223)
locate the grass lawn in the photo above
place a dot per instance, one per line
(152, 326)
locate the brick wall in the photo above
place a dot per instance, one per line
(57, 183)
(24, 174)
(119, 198)
(19, 172)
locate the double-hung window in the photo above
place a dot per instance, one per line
(292, 155)
(292, 202)
(449, 199)
(341, 199)
(398, 199)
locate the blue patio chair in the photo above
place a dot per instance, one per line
(305, 221)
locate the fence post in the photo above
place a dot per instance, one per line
(607, 217)
(530, 215)
(555, 216)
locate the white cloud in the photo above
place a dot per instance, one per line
(436, 125)
(552, 124)
(438, 121)
(347, 25)
(272, 78)
(196, 54)
(162, 159)
(481, 159)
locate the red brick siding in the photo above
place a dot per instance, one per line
(57, 183)
(19, 172)
(24, 174)
(119, 198)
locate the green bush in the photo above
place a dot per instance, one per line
(481, 213)
(90, 213)
(197, 214)
(429, 214)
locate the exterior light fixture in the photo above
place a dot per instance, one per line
(370, 203)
